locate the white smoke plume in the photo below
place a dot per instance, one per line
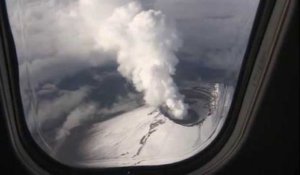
(145, 43)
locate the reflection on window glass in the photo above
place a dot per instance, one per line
(111, 83)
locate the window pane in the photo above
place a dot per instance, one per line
(111, 83)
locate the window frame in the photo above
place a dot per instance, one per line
(257, 65)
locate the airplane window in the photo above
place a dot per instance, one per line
(114, 83)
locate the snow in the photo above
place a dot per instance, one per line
(144, 136)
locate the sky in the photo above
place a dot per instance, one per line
(83, 58)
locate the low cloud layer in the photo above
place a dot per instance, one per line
(53, 34)
(55, 38)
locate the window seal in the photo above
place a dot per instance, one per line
(265, 64)
(38, 162)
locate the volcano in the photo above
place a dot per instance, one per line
(148, 135)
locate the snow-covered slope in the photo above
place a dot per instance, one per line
(144, 136)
